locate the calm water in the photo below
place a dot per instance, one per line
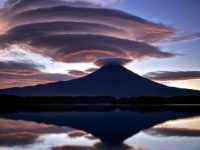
(100, 129)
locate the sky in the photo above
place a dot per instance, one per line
(59, 40)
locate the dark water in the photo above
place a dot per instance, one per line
(100, 128)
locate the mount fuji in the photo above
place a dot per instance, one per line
(111, 80)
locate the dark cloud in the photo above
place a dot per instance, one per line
(77, 48)
(18, 65)
(137, 27)
(77, 73)
(36, 30)
(17, 6)
(173, 75)
(60, 30)
(18, 68)
(112, 61)
(24, 5)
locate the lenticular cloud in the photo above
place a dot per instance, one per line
(74, 31)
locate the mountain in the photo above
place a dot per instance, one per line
(112, 80)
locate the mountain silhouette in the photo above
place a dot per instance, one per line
(111, 80)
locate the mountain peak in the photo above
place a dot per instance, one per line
(112, 69)
(110, 80)
(112, 72)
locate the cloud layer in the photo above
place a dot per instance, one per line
(13, 68)
(173, 75)
(13, 74)
(67, 33)
(112, 61)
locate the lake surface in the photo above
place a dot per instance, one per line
(102, 127)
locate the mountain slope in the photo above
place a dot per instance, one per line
(112, 80)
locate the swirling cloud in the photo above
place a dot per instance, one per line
(81, 34)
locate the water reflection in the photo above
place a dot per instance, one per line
(151, 142)
(91, 130)
(23, 135)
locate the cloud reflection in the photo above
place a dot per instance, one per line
(166, 132)
(188, 127)
(23, 135)
(20, 132)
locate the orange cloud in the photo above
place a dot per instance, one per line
(82, 55)
(90, 57)
(18, 72)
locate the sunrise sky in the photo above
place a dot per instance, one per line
(45, 41)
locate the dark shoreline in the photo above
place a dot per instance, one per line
(13, 104)
(141, 100)
(192, 109)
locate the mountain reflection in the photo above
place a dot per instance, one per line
(110, 127)
(23, 135)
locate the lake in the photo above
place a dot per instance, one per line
(101, 127)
